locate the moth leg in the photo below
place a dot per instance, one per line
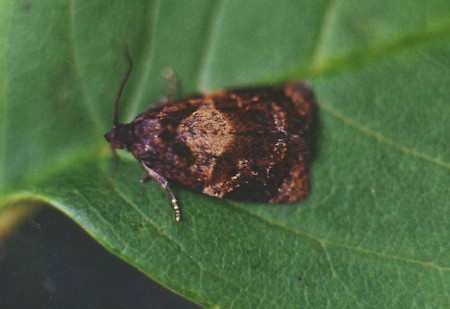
(165, 184)
(172, 87)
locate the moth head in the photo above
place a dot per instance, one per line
(118, 136)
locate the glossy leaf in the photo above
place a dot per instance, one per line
(374, 231)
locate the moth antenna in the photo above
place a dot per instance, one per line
(122, 86)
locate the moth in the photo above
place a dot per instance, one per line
(248, 144)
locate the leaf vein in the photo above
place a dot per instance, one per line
(324, 34)
(182, 249)
(84, 93)
(327, 242)
(383, 139)
(139, 91)
(337, 277)
(98, 215)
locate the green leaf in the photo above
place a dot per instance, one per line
(374, 231)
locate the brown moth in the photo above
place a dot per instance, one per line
(245, 144)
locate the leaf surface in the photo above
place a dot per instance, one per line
(374, 231)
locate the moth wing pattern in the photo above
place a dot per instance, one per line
(271, 164)
(244, 144)
(295, 186)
